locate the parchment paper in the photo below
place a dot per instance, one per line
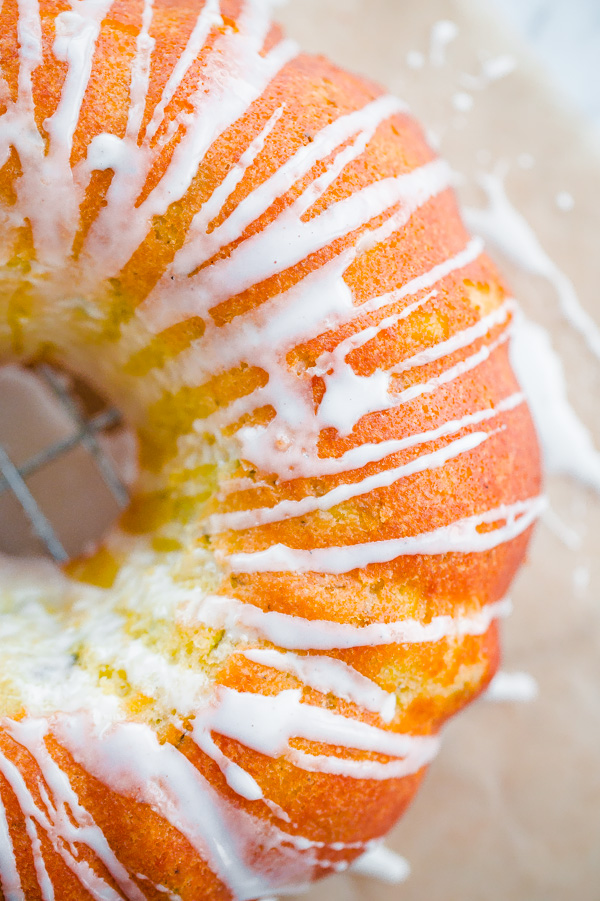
(511, 808)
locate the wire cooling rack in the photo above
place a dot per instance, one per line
(12, 477)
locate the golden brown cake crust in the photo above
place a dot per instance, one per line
(432, 679)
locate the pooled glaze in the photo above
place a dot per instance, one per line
(383, 864)
(502, 225)
(513, 687)
(567, 444)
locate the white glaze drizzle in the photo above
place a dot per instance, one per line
(167, 781)
(358, 457)
(384, 864)
(502, 225)
(462, 537)
(213, 206)
(267, 723)
(10, 773)
(371, 770)
(171, 785)
(201, 245)
(342, 405)
(9, 875)
(160, 888)
(321, 301)
(54, 224)
(232, 78)
(567, 444)
(284, 448)
(57, 822)
(289, 239)
(140, 74)
(288, 509)
(53, 215)
(327, 674)
(209, 18)
(297, 633)
(512, 687)
(234, 70)
(459, 340)
(374, 393)
(44, 881)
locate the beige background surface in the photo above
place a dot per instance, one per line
(511, 809)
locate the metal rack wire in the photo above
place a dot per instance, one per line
(12, 477)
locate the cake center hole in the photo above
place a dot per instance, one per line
(66, 464)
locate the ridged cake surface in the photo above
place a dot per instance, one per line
(257, 258)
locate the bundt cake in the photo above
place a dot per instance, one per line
(257, 258)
